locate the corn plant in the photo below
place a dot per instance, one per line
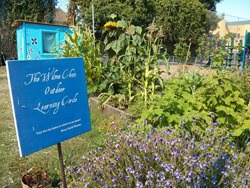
(81, 44)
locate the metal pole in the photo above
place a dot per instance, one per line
(93, 20)
(244, 52)
(62, 165)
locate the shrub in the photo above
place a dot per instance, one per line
(163, 158)
(199, 100)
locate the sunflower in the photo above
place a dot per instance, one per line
(111, 25)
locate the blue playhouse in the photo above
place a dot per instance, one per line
(39, 40)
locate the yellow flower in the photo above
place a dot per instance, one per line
(111, 25)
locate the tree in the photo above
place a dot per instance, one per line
(181, 19)
(139, 12)
(72, 12)
(210, 4)
(29, 10)
(212, 21)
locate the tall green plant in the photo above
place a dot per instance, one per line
(81, 44)
(132, 70)
(204, 48)
(219, 52)
(182, 51)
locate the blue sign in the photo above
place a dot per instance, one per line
(49, 100)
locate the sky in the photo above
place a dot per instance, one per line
(63, 4)
(234, 10)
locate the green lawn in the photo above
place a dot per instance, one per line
(13, 166)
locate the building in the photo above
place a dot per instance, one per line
(61, 17)
(238, 27)
(39, 40)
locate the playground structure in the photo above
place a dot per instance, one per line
(235, 51)
(238, 54)
(246, 51)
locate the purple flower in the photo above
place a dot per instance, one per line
(214, 123)
(114, 179)
(139, 184)
(214, 179)
(189, 179)
(245, 181)
(156, 157)
(130, 170)
(86, 184)
(149, 183)
(177, 174)
(150, 175)
(168, 182)
(166, 167)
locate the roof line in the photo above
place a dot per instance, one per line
(17, 23)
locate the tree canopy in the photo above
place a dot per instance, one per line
(210, 4)
(139, 12)
(181, 19)
(30, 10)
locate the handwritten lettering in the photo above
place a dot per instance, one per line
(69, 73)
(51, 74)
(34, 77)
(52, 91)
(66, 100)
(54, 107)
(46, 108)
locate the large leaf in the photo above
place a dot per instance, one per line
(239, 131)
(122, 24)
(116, 46)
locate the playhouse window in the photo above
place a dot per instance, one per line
(49, 42)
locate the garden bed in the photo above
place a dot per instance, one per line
(107, 109)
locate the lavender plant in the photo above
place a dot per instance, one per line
(163, 158)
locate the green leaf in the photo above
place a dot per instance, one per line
(116, 46)
(158, 112)
(138, 30)
(122, 24)
(239, 131)
(154, 47)
(113, 16)
(137, 40)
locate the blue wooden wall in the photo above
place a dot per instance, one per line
(39, 41)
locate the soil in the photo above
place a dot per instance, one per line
(40, 179)
(175, 70)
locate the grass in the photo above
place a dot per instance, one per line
(13, 166)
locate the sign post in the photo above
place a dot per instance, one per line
(49, 101)
(59, 148)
